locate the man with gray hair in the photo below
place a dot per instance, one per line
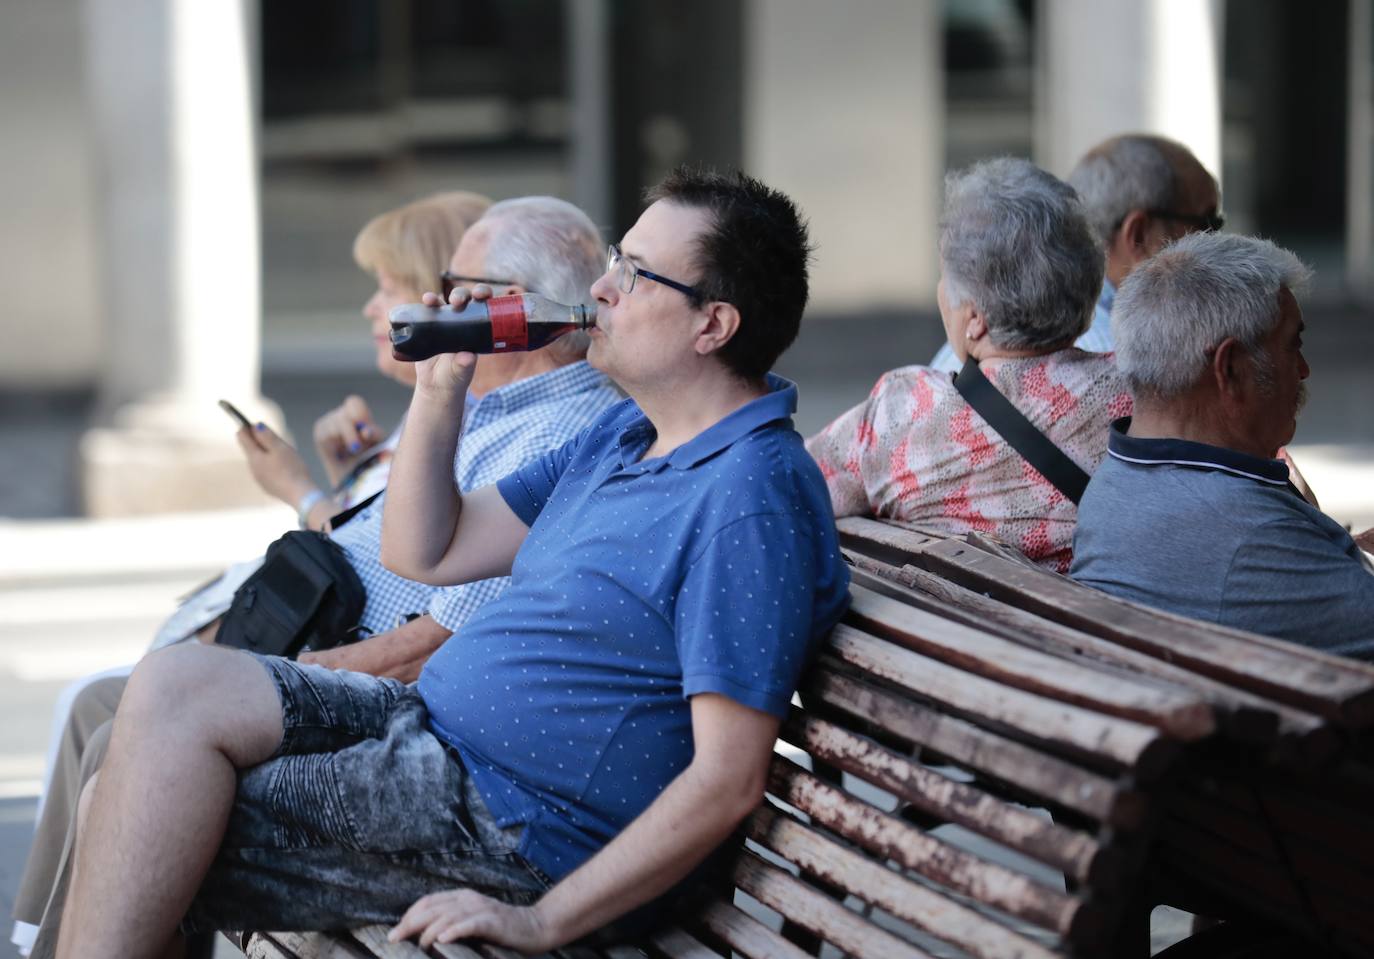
(1138, 192)
(1192, 511)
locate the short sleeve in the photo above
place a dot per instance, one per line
(528, 488)
(744, 612)
(837, 451)
(1291, 580)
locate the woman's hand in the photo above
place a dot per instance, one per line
(275, 464)
(344, 435)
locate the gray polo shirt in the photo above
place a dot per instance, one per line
(1221, 536)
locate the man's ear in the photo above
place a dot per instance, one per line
(1133, 233)
(719, 325)
(1226, 366)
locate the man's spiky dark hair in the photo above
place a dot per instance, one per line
(753, 254)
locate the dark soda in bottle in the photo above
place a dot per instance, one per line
(502, 324)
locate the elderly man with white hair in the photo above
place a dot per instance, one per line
(1193, 511)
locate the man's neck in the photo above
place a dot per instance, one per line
(499, 369)
(1190, 421)
(691, 404)
(1117, 270)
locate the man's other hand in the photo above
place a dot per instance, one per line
(464, 914)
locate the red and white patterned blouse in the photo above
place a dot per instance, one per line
(916, 451)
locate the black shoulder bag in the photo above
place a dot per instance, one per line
(1020, 433)
(306, 593)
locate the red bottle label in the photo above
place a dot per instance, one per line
(509, 330)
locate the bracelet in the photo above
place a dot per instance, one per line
(307, 503)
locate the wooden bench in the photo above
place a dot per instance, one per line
(992, 761)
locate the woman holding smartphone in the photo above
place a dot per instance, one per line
(406, 250)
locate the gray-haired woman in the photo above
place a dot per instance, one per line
(1020, 275)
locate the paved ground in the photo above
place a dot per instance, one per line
(77, 595)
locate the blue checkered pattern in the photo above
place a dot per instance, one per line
(501, 432)
(1096, 339)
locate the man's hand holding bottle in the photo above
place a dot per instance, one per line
(447, 375)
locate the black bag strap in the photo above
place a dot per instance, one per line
(1020, 433)
(338, 519)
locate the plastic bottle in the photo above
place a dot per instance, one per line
(502, 324)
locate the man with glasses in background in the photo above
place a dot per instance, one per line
(593, 733)
(1139, 193)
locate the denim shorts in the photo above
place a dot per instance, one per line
(360, 812)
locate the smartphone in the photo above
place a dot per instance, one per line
(234, 412)
(237, 416)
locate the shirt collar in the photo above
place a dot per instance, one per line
(1107, 298)
(564, 382)
(1173, 452)
(779, 403)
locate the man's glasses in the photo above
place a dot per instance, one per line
(448, 281)
(1208, 222)
(626, 271)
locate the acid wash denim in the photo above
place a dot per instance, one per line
(360, 812)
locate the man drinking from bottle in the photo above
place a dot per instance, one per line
(593, 733)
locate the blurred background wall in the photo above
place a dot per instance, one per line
(183, 178)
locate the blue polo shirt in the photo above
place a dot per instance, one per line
(713, 569)
(1217, 535)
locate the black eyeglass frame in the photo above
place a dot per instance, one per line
(448, 281)
(614, 256)
(1208, 222)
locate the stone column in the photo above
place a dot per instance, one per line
(589, 95)
(850, 124)
(1123, 66)
(1359, 223)
(174, 120)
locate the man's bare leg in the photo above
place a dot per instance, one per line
(191, 717)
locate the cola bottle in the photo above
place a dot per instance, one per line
(502, 324)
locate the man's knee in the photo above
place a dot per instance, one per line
(221, 695)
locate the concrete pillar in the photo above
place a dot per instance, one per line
(844, 111)
(589, 93)
(1359, 221)
(173, 128)
(1124, 66)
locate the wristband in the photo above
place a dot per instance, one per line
(307, 503)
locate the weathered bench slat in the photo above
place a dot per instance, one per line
(309, 945)
(1244, 716)
(261, 947)
(889, 837)
(1298, 676)
(746, 935)
(456, 950)
(817, 913)
(1123, 742)
(374, 938)
(1047, 777)
(1180, 713)
(879, 886)
(677, 944)
(1071, 852)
